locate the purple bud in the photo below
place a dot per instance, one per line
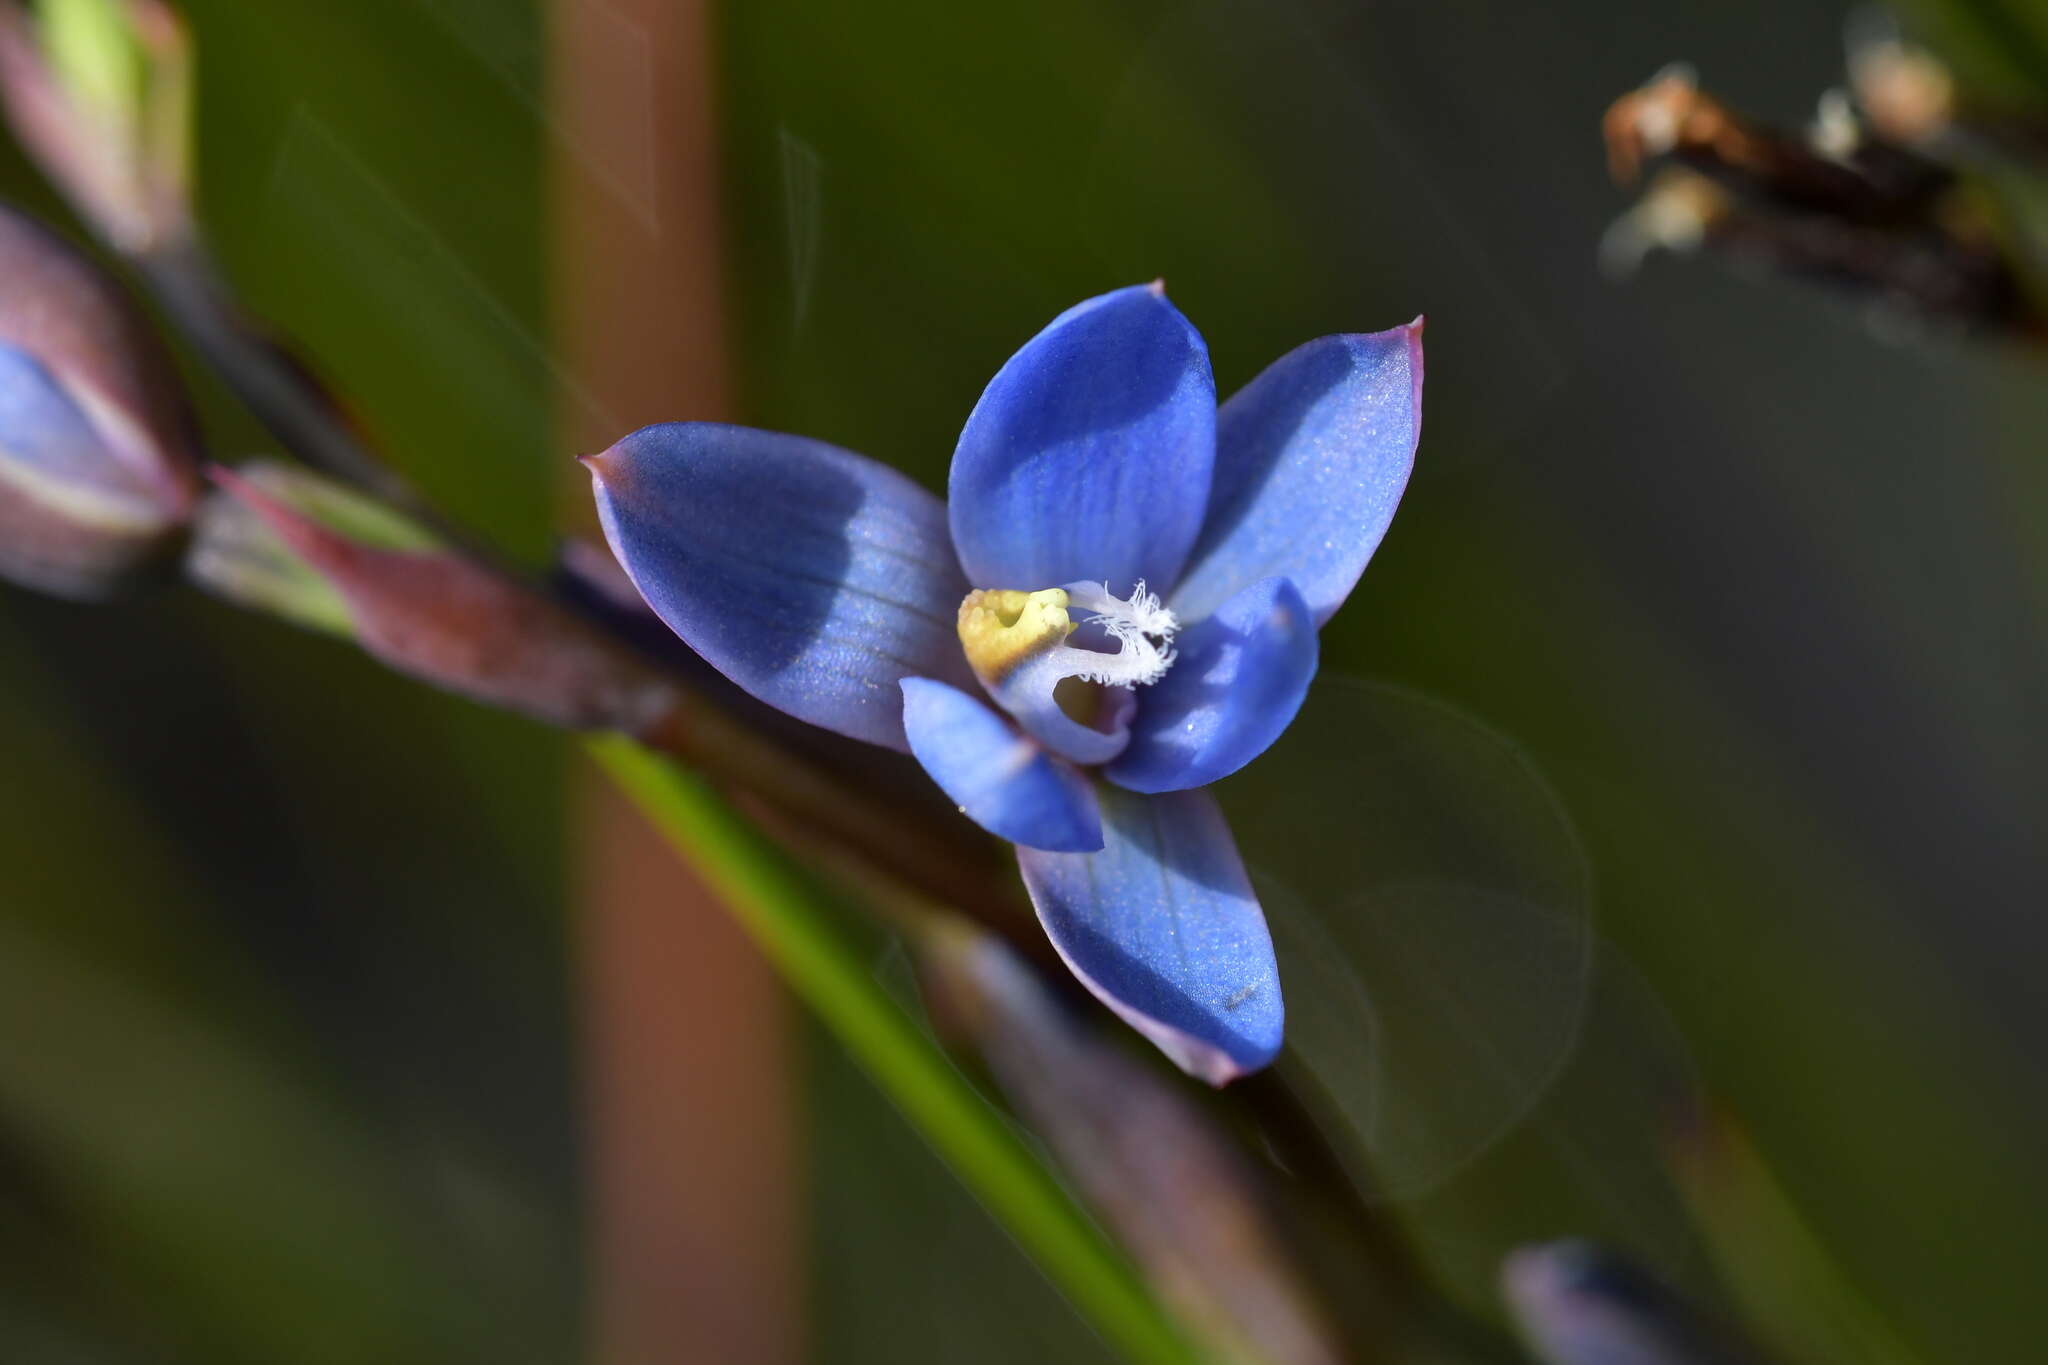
(1578, 1304)
(98, 464)
(1182, 1200)
(430, 612)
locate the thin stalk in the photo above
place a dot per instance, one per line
(870, 828)
(281, 392)
(784, 914)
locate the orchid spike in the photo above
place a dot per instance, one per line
(1131, 575)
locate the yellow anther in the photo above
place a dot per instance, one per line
(1002, 627)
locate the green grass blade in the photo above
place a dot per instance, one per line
(783, 913)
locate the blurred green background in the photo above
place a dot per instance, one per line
(1713, 620)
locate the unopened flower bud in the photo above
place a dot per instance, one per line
(100, 94)
(98, 467)
(1578, 1304)
(333, 558)
(1194, 1216)
(237, 554)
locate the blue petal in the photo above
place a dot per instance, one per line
(1311, 458)
(1001, 780)
(814, 578)
(48, 442)
(1239, 679)
(1088, 456)
(1030, 693)
(1163, 927)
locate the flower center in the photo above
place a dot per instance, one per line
(1003, 629)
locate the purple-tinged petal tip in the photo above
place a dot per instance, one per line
(1311, 460)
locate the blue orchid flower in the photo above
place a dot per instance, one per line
(1117, 606)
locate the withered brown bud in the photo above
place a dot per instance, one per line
(1672, 118)
(1847, 203)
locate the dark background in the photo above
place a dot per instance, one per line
(1721, 612)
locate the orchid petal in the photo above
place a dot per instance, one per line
(814, 578)
(75, 518)
(1311, 459)
(1001, 780)
(1018, 644)
(1239, 679)
(49, 444)
(1088, 456)
(1029, 692)
(1162, 925)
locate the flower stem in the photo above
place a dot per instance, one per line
(785, 915)
(282, 393)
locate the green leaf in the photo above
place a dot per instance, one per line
(787, 916)
(1999, 49)
(1792, 1292)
